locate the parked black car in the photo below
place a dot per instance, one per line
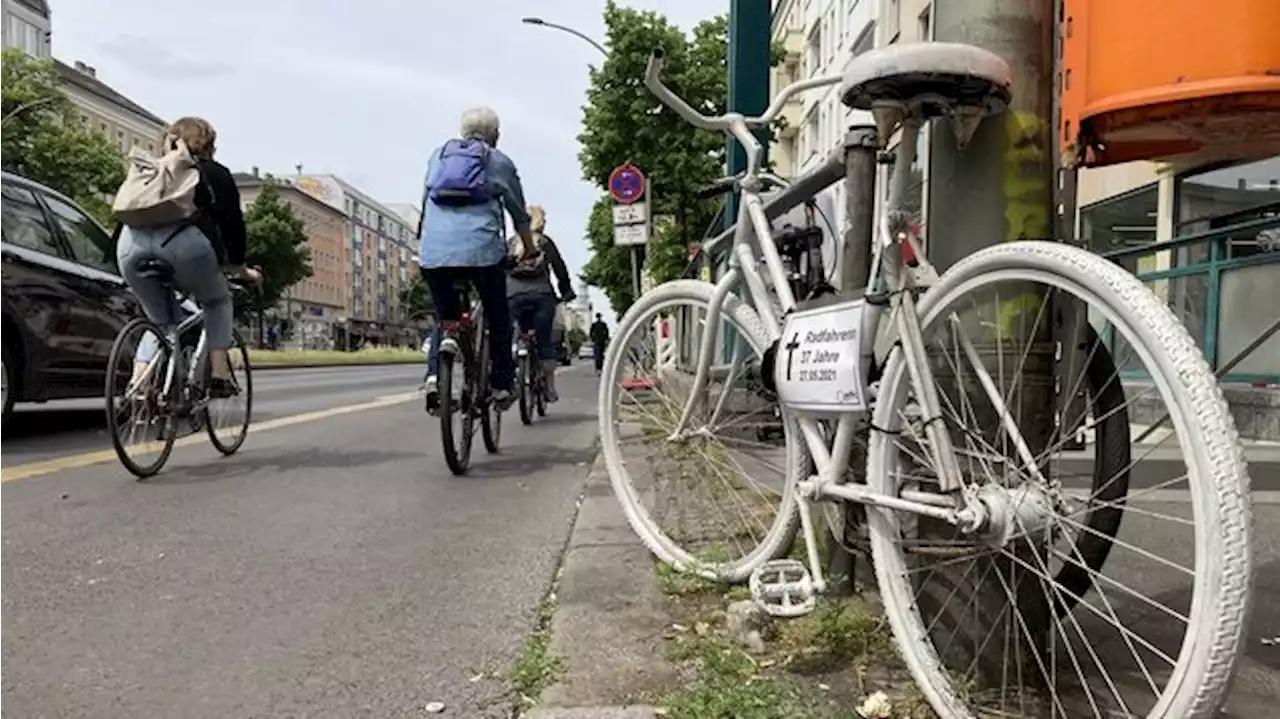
(64, 300)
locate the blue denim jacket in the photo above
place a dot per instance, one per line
(473, 235)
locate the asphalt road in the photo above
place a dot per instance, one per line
(332, 568)
(43, 431)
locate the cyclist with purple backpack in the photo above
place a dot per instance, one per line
(469, 183)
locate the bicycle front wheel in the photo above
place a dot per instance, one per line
(1054, 607)
(713, 498)
(227, 419)
(139, 416)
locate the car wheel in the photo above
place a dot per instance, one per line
(7, 374)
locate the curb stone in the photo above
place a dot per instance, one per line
(609, 617)
(633, 712)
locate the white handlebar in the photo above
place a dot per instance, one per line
(723, 123)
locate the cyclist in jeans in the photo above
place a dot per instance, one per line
(201, 250)
(533, 299)
(469, 182)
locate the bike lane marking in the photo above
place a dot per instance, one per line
(87, 459)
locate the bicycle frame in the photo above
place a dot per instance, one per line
(889, 276)
(174, 367)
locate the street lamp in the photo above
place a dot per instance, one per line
(543, 23)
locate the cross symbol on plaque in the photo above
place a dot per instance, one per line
(791, 352)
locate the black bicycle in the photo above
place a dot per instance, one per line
(533, 383)
(462, 385)
(157, 380)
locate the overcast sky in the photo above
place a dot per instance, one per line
(363, 90)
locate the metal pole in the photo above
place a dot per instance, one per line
(999, 189)
(750, 43)
(543, 23)
(854, 252)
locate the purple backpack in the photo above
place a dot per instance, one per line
(459, 178)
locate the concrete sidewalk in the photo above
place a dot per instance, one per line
(609, 618)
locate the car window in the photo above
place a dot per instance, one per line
(24, 222)
(89, 244)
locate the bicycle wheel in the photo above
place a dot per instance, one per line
(138, 415)
(227, 419)
(528, 392)
(1072, 652)
(719, 459)
(455, 406)
(490, 415)
(1104, 401)
(540, 394)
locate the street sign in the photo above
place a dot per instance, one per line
(630, 214)
(626, 184)
(624, 235)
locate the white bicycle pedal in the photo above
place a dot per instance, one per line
(783, 588)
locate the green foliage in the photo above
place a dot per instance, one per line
(45, 139)
(416, 300)
(277, 243)
(577, 338)
(623, 122)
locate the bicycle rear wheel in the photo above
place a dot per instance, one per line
(136, 410)
(528, 393)
(490, 416)
(540, 394)
(455, 405)
(227, 425)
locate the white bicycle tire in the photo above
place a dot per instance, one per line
(781, 533)
(1218, 476)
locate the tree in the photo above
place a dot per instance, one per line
(624, 122)
(277, 242)
(416, 300)
(46, 140)
(577, 338)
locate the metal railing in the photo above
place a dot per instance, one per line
(1224, 284)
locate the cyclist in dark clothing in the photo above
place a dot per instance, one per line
(599, 340)
(532, 297)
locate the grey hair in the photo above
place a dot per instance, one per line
(480, 122)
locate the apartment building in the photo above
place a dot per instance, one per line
(317, 305)
(820, 38)
(102, 109)
(28, 26)
(382, 247)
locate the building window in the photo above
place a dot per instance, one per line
(892, 18)
(22, 34)
(1125, 220)
(813, 51)
(811, 130)
(1222, 196)
(866, 40)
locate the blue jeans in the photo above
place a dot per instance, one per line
(537, 310)
(195, 270)
(490, 283)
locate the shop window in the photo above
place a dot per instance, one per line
(1122, 221)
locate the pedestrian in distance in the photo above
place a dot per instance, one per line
(599, 340)
(468, 185)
